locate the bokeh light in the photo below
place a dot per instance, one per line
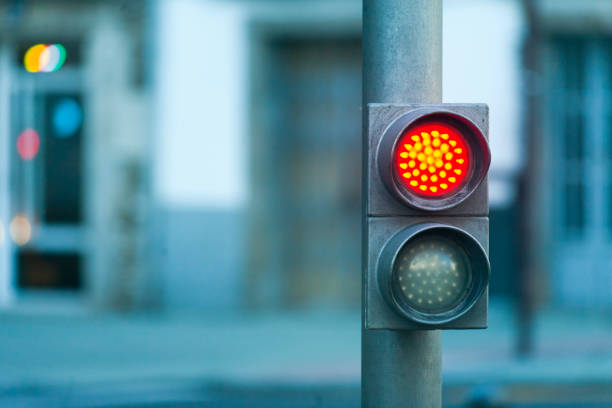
(20, 230)
(433, 274)
(44, 58)
(432, 159)
(28, 144)
(67, 117)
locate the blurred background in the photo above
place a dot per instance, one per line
(180, 202)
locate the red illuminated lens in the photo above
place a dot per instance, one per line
(432, 159)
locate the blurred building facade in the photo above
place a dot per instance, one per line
(73, 209)
(571, 81)
(217, 165)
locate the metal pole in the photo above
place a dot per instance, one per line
(6, 264)
(402, 63)
(528, 236)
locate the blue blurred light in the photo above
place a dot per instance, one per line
(67, 117)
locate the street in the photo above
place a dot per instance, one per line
(81, 360)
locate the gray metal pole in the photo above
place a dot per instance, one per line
(402, 63)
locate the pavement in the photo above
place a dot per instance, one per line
(86, 359)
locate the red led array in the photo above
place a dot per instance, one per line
(432, 159)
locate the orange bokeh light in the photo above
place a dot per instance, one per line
(31, 60)
(432, 159)
(20, 230)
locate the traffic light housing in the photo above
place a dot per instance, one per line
(426, 223)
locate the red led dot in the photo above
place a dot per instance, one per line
(432, 159)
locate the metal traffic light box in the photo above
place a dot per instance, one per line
(427, 226)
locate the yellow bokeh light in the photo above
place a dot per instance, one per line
(31, 59)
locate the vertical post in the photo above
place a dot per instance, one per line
(528, 236)
(402, 63)
(6, 271)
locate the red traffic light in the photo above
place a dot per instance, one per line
(433, 160)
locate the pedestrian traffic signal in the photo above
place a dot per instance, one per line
(427, 216)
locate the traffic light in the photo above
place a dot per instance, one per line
(427, 226)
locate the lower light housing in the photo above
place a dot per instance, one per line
(432, 273)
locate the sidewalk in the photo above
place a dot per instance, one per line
(302, 350)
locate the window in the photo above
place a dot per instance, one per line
(62, 161)
(47, 173)
(42, 270)
(570, 162)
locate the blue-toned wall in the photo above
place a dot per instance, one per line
(202, 256)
